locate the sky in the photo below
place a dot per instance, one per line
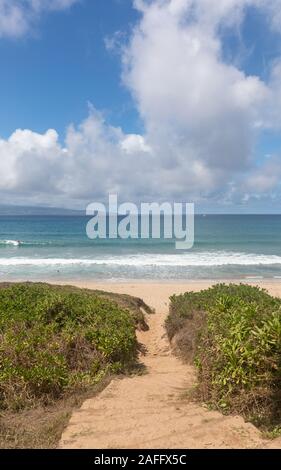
(154, 100)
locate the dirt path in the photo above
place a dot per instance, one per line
(153, 410)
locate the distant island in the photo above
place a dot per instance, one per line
(6, 210)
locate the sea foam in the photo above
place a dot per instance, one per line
(218, 258)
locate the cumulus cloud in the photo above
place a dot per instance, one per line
(202, 115)
(95, 159)
(30, 162)
(18, 16)
(266, 178)
(134, 143)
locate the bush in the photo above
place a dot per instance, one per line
(236, 346)
(55, 340)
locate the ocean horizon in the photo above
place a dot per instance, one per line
(56, 247)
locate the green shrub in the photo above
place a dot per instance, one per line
(236, 348)
(55, 340)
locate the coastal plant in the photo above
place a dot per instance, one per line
(236, 347)
(54, 341)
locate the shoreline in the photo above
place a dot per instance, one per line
(157, 294)
(91, 280)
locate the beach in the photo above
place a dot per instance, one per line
(157, 294)
(154, 410)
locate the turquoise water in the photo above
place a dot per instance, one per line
(56, 247)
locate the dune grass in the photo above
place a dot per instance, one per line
(57, 344)
(233, 335)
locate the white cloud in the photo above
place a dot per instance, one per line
(95, 159)
(31, 162)
(18, 16)
(266, 178)
(200, 113)
(134, 143)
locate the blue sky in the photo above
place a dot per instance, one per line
(184, 105)
(48, 77)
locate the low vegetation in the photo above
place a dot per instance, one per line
(233, 335)
(56, 345)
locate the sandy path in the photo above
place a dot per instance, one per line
(153, 410)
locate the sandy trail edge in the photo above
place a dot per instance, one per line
(153, 410)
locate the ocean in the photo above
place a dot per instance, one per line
(57, 248)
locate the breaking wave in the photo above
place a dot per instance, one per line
(220, 258)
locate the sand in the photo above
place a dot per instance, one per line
(154, 410)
